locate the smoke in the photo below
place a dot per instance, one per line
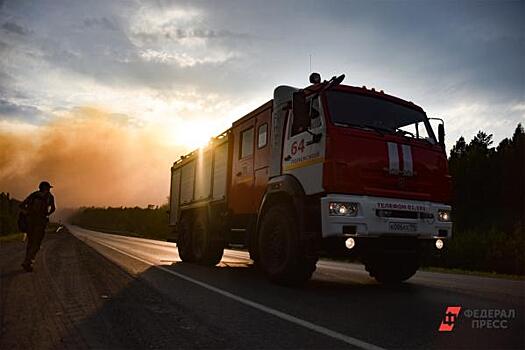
(93, 158)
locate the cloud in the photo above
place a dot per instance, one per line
(466, 118)
(158, 46)
(182, 59)
(13, 27)
(181, 33)
(102, 22)
(519, 107)
(149, 47)
(11, 110)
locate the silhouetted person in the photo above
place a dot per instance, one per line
(38, 206)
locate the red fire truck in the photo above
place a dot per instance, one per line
(327, 169)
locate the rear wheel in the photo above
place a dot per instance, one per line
(253, 248)
(184, 241)
(281, 256)
(207, 249)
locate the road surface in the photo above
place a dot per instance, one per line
(159, 302)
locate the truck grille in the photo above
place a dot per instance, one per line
(403, 214)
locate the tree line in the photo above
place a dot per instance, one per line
(150, 222)
(9, 208)
(488, 201)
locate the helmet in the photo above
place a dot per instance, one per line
(44, 185)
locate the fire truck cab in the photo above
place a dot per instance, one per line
(328, 169)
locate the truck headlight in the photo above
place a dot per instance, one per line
(342, 209)
(444, 215)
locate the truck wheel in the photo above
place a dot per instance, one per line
(184, 244)
(280, 255)
(253, 248)
(206, 249)
(387, 271)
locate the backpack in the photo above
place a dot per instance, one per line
(38, 206)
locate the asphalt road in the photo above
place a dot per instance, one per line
(341, 307)
(117, 292)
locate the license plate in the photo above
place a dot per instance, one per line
(402, 227)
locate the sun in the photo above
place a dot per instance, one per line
(194, 134)
(189, 134)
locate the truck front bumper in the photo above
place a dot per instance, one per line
(385, 217)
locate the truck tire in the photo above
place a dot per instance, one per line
(281, 256)
(389, 271)
(206, 249)
(253, 245)
(184, 244)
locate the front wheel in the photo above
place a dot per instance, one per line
(392, 270)
(280, 254)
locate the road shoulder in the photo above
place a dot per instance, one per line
(78, 299)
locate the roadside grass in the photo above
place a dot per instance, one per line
(53, 227)
(11, 238)
(457, 271)
(19, 236)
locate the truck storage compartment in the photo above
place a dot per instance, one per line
(220, 171)
(203, 175)
(187, 182)
(199, 177)
(175, 195)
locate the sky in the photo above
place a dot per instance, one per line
(100, 97)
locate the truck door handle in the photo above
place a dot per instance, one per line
(239, 173)
(288, 157)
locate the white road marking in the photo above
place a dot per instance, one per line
(284, 316)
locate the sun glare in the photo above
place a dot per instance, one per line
(195, 135)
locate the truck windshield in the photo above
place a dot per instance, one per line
(355, 110)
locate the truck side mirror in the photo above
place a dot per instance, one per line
(301, 118)
(441, 134)
(441, 131)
